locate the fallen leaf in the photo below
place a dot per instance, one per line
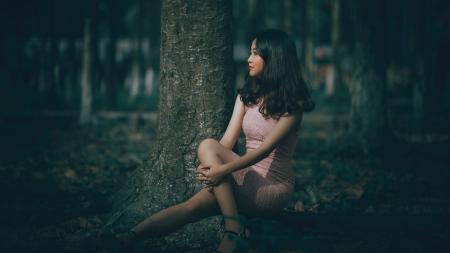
(354, 191)
(70, 173)
(299, 207)
(314, 208)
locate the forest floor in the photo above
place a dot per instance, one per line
(55, 179)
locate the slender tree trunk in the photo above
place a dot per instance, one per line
(52, 68)
(195, 102)
(288, 16)
(70, 73)
(418, 98)
(86, 77)
(136, 74)
(335, 79)
(110, 68)
(425, 93)
(303, 32)
(152, 71)
(311, 21)
(368, 126)
(256, 17)
(94, 19)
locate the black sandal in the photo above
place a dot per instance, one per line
(241, 237)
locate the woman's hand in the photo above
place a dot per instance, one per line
(215, 174)
(211, 175)
(201, 169)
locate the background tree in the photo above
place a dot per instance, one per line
(110, 62)
(368, 108)
(135, 80)
(86, 73)
(195, 98)
(335, 75)
(424, 24)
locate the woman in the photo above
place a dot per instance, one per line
(269, 109)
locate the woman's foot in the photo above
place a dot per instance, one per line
(128, 237)
(123, 242)
(235, 239)
(233, 242)
(230, 242)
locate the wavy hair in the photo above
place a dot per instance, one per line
(280, 88)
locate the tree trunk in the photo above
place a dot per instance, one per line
(70, 74)
(86, 77)
(136, 74)
(418, 98)
(110, 65)
(195, 102)
(426, 96)
(153, 20)
(255, 9)
(53, 100)
(334, 78)
(303, 33)
(368, 107)
(310, 37)
(287, 16)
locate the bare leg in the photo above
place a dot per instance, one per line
(225, 198)
(211, 152)
(201, 205)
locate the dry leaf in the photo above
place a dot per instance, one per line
(70, 173)
(355, 191)
(299, 207)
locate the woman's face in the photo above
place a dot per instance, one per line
(255, 62)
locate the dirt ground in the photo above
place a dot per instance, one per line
(56, 178)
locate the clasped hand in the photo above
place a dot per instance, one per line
(210, 175)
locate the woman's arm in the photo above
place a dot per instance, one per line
(285, 125)
(234, 126)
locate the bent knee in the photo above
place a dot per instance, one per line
(207, 145)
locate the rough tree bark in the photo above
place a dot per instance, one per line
(368, 126)
(195, 103)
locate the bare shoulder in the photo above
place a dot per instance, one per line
(294, 119)
(239, 101)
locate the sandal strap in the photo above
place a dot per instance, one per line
(240, 238)
(231, 232)
(244, 226)
(241, 234)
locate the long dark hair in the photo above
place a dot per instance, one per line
(281, 85)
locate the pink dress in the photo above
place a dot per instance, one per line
(266, 186)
